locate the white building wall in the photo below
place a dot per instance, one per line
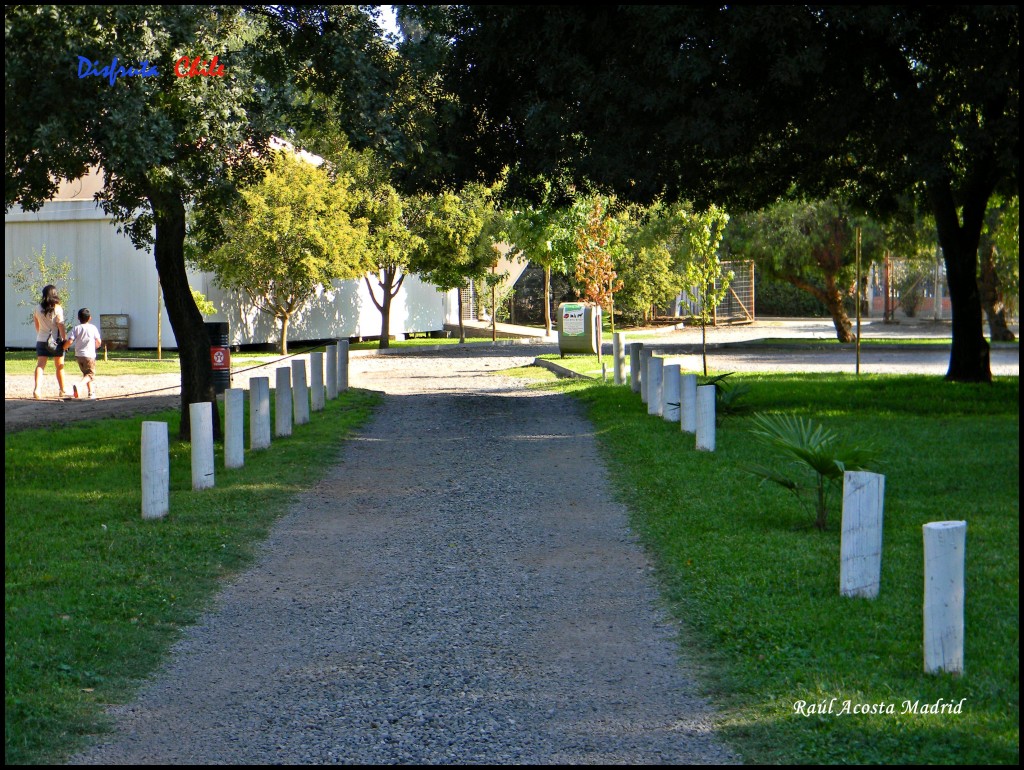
(110, 275)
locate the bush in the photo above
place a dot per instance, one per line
(778, 298)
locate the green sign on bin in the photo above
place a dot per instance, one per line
(573, 317)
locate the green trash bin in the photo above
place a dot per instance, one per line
(579, 328)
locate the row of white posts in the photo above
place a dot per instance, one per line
(676, 397)
(292, 401)
(668, 393)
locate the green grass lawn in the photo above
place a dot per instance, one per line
(94, 595)
(757, 588)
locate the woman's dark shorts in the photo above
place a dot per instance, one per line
(42, 351)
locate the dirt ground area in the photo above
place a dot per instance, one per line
(127, 396)
(118, 396)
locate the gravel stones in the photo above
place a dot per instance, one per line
(461, 588)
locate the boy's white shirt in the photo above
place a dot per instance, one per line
(84, 337)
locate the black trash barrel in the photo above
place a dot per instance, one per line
(220, 355)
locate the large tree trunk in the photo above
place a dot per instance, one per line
(385, 319)
(390, 290)
(969, 354)
(385, 308)
(547, 301)
(832, 299)
(185, 318)
(840, 319)
(992, 298)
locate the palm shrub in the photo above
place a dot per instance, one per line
(817, 459)
(728, 397)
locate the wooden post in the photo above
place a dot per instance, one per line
(944, 547)
(156, 470)
(342, 366)
(670, 382)
(860, 549)
(300, 393)
(332, 371)
(688, 403)
(655, 371)
(316, 381)
(856, 295)
(283, 402)
(706, 418)
(259, 413)
(201, 416)
(618, 348)
(634, 365)
(234, 428)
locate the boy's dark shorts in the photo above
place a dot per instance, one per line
(87, 365)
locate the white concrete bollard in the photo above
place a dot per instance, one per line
(634, 365)
(944, 549)
(706, 418)
(300, 393)
(234, 428)
(655, 373)
(283, 402)
(332, 372)
(670, 392)
(342, 366)
(316, 381)
(645, 357)
(156, 470)
(201, 423)
(619, 354)
(860, 549)
(688, 403)
(259, 413)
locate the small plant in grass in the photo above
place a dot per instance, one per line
(817, 458)
(728, 397)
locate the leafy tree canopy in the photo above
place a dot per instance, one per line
(165, 142)
(290, 234)
(736, 104)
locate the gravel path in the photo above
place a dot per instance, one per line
(461, 588)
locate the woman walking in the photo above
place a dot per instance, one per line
(49, 319)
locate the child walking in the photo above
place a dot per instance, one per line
(86, 338)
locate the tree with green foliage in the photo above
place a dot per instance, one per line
(737, 103)
(543, 233)
(29, 277)
(651, 265)
(595, 237)
(999, 264)
(392, 246)
(164, 143)
(810, 245)
(290, 235)
(459, 233)
(391, 242)
(704, 276)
